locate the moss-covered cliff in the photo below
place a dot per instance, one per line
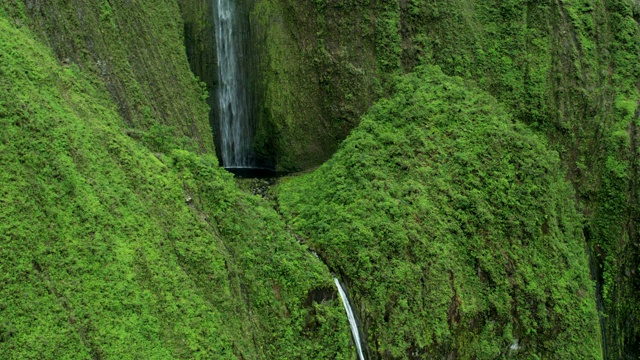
(136, 49)
(568, 69)
(455, 229)
(118, 239)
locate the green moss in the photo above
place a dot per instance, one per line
(568, 69)
(454, 227)
(136, 50)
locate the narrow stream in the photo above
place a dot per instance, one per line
(352, 319)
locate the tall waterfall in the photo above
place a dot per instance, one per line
(352, 319)
(233, 95)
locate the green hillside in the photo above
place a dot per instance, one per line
(455, 228)
(567, 69)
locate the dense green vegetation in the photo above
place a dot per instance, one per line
(136, 49)
(117, 248)
(455, 228)
(447, 212)
(568, 69)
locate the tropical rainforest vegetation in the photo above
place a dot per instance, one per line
(430, 207)
(469, 169)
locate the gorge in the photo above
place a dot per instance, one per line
(235, 128)
(469, 168)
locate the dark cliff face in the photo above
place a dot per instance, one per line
(199, 41)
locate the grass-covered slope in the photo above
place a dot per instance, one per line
(454, 227)
(124, 249)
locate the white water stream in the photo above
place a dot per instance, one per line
(352, 319)
(233, 96)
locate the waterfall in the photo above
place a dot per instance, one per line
(233, 95)
(352, 319)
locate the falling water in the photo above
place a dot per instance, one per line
(233, 97)
(352, 319)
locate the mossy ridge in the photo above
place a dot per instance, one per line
(454, 227)
(110, 250)
(136, 49)
(566, 68)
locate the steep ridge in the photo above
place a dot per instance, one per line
(454, 228)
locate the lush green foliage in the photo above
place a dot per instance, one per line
(568, 69)
(107, 239)
(616, 210)
(111, 251)
(454, 227)
(135, 48)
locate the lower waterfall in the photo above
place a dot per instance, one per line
(352, 319)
